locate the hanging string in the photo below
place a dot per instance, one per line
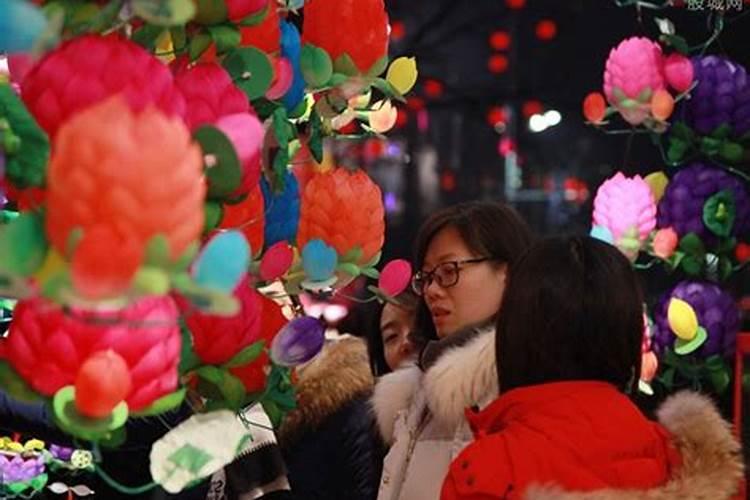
(127, 490)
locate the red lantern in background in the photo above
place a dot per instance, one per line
(515, 4)
(546, 30)
(448, 181)
(497, 63)
(433, 88)
(531, 107)
(496, 115)
(402, 118)
(415, 103)
(500, 40)
(398, 30)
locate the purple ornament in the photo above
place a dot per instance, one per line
(19, 469)
(681, 207)
(62, 453)
(722, 95)
(717, 313)
(298, 342)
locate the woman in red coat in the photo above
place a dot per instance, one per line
(568, 351)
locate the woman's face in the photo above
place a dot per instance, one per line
(476, 296)
(395, 324)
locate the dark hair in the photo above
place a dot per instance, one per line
(490, 229)
(406, 300)
(572, 310)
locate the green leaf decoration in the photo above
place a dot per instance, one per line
(163, 404)
(225, 175)
(281, 127)
(184, 260)
(316, 66)
(179, 37)
(23, 246)
(188, 359)
(26, 166)
(677, 150)
(164, 12)
(198, 45)
(72, 422)
(151, 281)
(250, 69)
(645, 95)
(725, 268)
(344, 64)
(147, 35)
(352, 255)
(683, 347)
(256, 18)
(723, 131)
(691, 244)
(388, 89)
(157, 251)
(56, 286)
(371, 272)
(676, 41)
(225, 36)
(246, 355)
(213, 212)
(378, 67)
(230, 387)
(115, 439)
(15, 386)
(315, 141)
(719, 213)
(337, 79)
(718, 373)
(348, 268)
(207, 300)
(668, 378)
(731, 151)
(210, 12)
(692, 265)
(280, 163)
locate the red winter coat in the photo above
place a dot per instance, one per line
(580, 436)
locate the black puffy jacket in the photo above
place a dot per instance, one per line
(330, 444)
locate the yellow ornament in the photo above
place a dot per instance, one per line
(34, 445)
(657, 181)
(402, 74)
(682, 319)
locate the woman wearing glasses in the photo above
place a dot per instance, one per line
(462, 258)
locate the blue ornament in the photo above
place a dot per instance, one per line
(602, 233)
(223, 262)
(21, 23)
(291, 46)
(319, 261)
(282, 210)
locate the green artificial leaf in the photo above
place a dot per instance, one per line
(718, 373)
(265, 108)
(388, 89)
(38, 483)
(676, 41)
(198, 45)
(151, 281)
(344, 64)
(721, 132)
(225, 36)
(157, 251)
(225, 175)
(353, 255)
(210, 12)
(692, 265)
(246, 355)
(72, 422)
(275, 415)
(710, 146)
(164, 404)
(677, 150)
(230, 387)
(348, 268)
(683, 347)
(316, 66)
(183, 261)
(164, 12)
(719, 213)
(27, 165)
(188, 359)
(281, 127)
(114, 439)
(92, 19)
(250, 69)
(213, 212)
(691, 244)
(15, 386)
(179, 37)
(645, 95)
(147, 35)
(725, 268)
(23, 246)
(207, 300)
(255, 19)
(315, 140)
(378, 67)
(726, 245)
(731, 151)
(371, 272)
(280, 164)
(682, 131)
(337, 79)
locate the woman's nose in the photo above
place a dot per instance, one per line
(406, 347)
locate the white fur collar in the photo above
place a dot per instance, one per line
(462, 377)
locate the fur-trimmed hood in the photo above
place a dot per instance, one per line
(336, 377)
(462, 377)
(712, 464)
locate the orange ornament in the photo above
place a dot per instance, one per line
(247, 216)
(137, 174)
(594, 107)
(662, 105)
(344, 209)
(103, 381)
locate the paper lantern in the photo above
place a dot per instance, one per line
(266, 35)
(344, 209)
(47, 345)
(209, 94)
(358, 28)
(90, 68)
(247, 216)
(624, 204)
(129, 176)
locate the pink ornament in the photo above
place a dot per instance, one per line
(649, 366)
(47, 345)
(633, 72)
(209, 94)
(625, 206)
(276, 261)
(665, 242)
(246, 133)
(678, 70)
(395, 277)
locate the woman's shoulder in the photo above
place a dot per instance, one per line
(393, 394)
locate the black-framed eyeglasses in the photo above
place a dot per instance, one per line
(446, 274)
